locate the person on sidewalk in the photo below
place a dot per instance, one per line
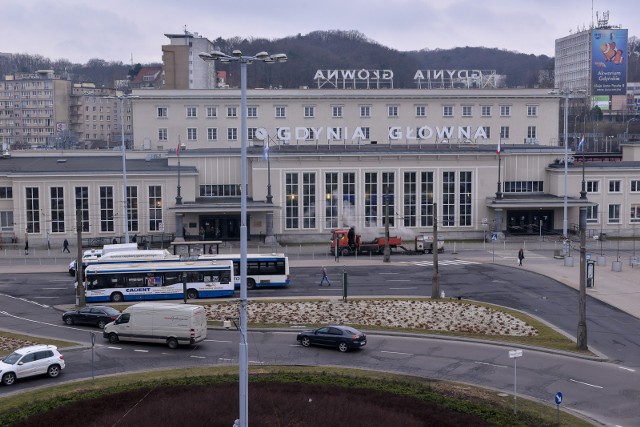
(65, 246)
(324, 277)
(520, 256)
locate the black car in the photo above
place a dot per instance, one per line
(96, 316)
(343, 337)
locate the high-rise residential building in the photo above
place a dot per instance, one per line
(34, 108)
(183, 69)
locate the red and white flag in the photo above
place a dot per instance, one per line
(498, 149)
(178, 150)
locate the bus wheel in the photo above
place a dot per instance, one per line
(345, 252)
(116, 297)
(113, 338)
(251, 284)
(172, 343)
(192, 294)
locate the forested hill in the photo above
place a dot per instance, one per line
(328, 50)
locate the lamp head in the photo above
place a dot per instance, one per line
(262, 56)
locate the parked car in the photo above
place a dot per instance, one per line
(30, 361)
(342, 337)
(96, 316)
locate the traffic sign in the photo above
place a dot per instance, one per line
(558, 398)
(494, 236)
(515, 353)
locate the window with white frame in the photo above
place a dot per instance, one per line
(252, 111)
(251, 134)
(505, 110)
(281, 112)
(614, 213)
(332, 200)
(232, 111)
(192, 134)
(292, 200)
(448, 199)
(421, 111)
(155, 207)
(309, 111)
(634, 185)
(393, 110)
(447, 110)
(6, 220)
(162, 112)
(336, 111)
(634, 216)
(487, 131)
(365, 132)
(465, 198)
(371, 199)
(593, 186)
(467, 111)
(335, 133)
(504, 132)
(212, 134)
(212, 111)
(82, 206)
(163, 134)
(365, 111)
(532, 132)
(232, 134)
(592, 214)
(6, 193)
(615, 186)
(410, 198)
(192, 112)
(132, 207)
(32, 209)
(532, 110)
(485, 110)
(57, 209)
(106, 209)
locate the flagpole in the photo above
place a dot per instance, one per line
(583, 192)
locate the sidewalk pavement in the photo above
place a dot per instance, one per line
(620, 289)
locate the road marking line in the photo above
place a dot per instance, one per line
(56, 289)
(627, 369)
(198, 357)
(415, 287)
(491, 364)
(256, 362)
(25, 300)
(389, 274)
(580, 382)
(399, 280)
(396, 352)
(114, 348)
(142, 351)
(218, 341)
(225, 359)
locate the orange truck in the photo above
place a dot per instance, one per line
(357, 246)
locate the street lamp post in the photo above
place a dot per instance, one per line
(125, 206)
(236, 56)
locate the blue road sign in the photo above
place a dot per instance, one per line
(494, 236)
(558, 398)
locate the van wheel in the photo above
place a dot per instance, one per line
(113, 338)
(172, 343)
(53, 371)
(192, 294)
(251, 284)
(9, 378)
(116, 297)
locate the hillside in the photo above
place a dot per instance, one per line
(330, 50)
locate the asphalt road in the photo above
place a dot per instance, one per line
(601, 390)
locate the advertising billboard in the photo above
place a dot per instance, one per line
(609, 61)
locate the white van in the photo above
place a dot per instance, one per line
(164, 323)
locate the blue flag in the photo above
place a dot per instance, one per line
(581, 144)
(265, 152)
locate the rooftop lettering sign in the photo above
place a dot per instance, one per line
(442, 79)
(354, 79)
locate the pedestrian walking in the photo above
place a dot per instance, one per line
(520, 257)
(324, 277)
(65, 246)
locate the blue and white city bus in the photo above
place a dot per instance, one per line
(150, 280)
(262, 269)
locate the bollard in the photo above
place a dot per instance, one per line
(344, 286)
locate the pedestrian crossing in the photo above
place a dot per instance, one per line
(441, 263)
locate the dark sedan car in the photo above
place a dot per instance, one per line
(342, 337)
(96, 316)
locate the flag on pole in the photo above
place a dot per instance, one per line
(581, 144)
(178, 150)
(265, 152)
(498, 149)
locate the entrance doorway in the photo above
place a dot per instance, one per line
(532, 222)
(220, 227)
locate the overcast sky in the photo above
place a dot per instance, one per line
(119, 30)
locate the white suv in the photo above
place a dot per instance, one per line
(29, 361)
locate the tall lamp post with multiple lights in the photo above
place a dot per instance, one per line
(244, 60)
(125, 204)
